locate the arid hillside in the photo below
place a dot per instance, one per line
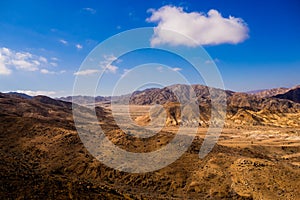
(42, 156)
(242, 109)
(260, 109)
(293, 95)
(269, 92)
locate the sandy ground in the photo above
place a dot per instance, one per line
(45, 157)
(239, 137)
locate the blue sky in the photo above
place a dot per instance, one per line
(43, 43)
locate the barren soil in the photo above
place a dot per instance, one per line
(45, 159)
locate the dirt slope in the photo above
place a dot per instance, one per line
(42, 157)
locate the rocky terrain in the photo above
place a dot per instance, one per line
(242, 108)
(84, 99)
(163, 95)
(260, 108)
(42, 155)
(269, 92)
(293, 95)
(281, 93)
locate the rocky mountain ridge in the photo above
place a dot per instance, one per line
(42, 156)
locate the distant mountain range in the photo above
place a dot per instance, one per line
(293, 95)
(25, 96)
(84, 99)
(272, 92)
(151, 95)
(148, 96)
(242, 108)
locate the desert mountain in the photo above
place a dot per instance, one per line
(269, 92)
(242, 108)
(281, 93)
(25, 96)
(42, 157)
(83, 100)
(293, 95)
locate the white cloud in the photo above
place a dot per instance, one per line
(79, 46)
(23, 55)
(10, 59)
(106, 64)
(111, 68)
(5, 51)
(63, 41)
(43, 59)
(176, 69)
(54, 59)
(19, 60)
(125, 72)
(46, 71)
(3, 69)
(210, 29)
(86, 72)
(161, 69)
(27, 65)
(109, 58)
(35, 93)
(53, 64)
(90, 10)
